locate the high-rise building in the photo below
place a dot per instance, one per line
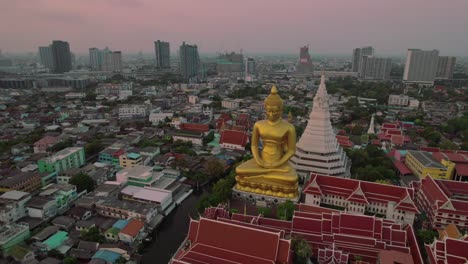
(105, 60)
(189, 62)
(375, 68)
(445, 67)
(62, 56)
(318, 150)
(357, 56)
(249, 69)
(95, 59)
(421, 66)
(230, 64)
(305, 62)
(46, 57)
(112, 61)
(162, 52)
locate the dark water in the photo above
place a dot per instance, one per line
(172, 231)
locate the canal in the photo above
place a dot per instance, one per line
(172, 231)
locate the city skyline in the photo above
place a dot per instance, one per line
(328, 27)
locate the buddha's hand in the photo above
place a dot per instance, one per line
(260, 163)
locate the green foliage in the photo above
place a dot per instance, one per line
(247, 91)
(208, 138)
(70, 260)
(149, 143)
(221, 192)
(29, 139)
(457, 125)
(264, 211)
(234, 211)
(93, 235)
(296, 111)
(302, 250)
(82, 182)
(214, 168)
(447, 144)
(431, 135)
(370, 164)
(93, 147)
(285, 211)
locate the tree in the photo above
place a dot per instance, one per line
(93, 234)
(54, 253)
(93, 147)
(285, 211)
(208, 138)
(447, 144)
(302, 250)
(82, 182)
(70, 260)
(61, 145)
(214, 168)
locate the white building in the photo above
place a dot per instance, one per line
(375, 68)
(72, 96)
(421, 66)
(121, 90)
(155, 118)
(188, 136)
(13, 206)
(132, 111)
(230, 104)
(318, 150)
(357, 56)
(445, 67)
(413, 103)
(398, 100)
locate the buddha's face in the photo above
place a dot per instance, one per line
(273, 112)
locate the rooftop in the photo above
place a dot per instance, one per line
(425, 158)
(7, 232)
(62, 154)
(14, 195)
(139, 171)
(147, 193)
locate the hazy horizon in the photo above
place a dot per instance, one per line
(256, 27)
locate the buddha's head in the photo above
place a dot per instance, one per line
(273, 105)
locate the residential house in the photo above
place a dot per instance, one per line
(42, 207)
(132, 231)
(13, 206)
(130, 160)
(64, 195)
(23, 181)
(137, 176)
(11, 235)
(112, 234)
(111, 156)
(20, 148)
(44, 143)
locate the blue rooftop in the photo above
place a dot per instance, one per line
(133, 155)
(121, 224)
(108, 256)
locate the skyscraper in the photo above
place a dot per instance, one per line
(95, 59)
(189, 62)
(46, 57)
(305, 63)
(249, 69)
(318, 150)
(421, 66)
(357, 56)
(105, 60)
(62, 56)
(162, 52)
(230, 64)
(445, 67)
(375, 68)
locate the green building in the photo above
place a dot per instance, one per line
(68, 158)
(11, 235)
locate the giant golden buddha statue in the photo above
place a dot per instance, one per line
(269, 172)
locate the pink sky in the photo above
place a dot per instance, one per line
(328, 26)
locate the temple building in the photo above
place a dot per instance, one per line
(318, 150)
